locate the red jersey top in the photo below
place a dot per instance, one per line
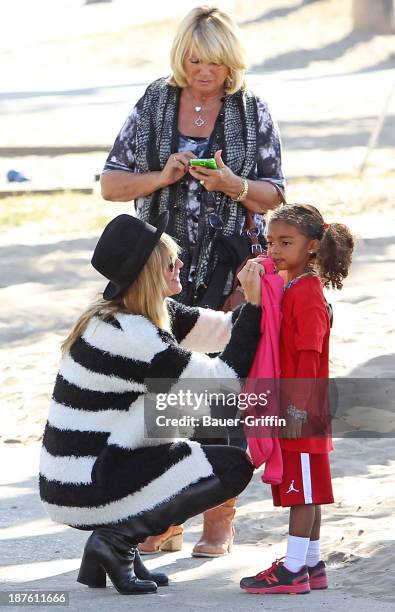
(304, 353)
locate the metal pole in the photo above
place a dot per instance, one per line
(376, 131)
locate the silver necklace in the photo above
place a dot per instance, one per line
(199, 121)
(297, 278)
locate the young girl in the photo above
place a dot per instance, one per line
(309, 254)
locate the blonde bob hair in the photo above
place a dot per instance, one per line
(146, 296)
(213, 37)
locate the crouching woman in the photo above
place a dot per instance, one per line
(98, 470)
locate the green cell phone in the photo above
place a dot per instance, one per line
(206, 163)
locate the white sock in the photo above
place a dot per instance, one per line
(296, 553)
(313, 553)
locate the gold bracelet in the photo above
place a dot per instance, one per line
(243, 193)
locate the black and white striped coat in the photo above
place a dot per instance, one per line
(96, 466)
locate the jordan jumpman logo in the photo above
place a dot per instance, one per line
(292, 488)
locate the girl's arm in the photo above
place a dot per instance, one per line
(308, 364)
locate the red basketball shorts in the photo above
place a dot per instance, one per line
(306, 480)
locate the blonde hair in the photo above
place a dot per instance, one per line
(214, 37)
(145, 296)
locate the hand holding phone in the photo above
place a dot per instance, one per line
(205, 163)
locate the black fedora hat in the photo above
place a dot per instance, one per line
(124, 248)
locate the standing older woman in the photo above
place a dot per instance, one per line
(203, 110)
(99, 469)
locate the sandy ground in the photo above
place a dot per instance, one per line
(45, 248)
(47, 279)
(107, 39)
(325, 88)
(47, 282)
(357, 539)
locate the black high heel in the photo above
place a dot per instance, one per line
(94, 575)
(143, 573)
(91, 572)
(107, 551)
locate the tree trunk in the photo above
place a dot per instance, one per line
(374, 16)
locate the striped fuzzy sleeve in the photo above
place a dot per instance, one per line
(175, 362)
(200, 329)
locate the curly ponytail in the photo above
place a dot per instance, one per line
(335, 254)
(333, 258)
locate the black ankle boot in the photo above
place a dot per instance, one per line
(144, 573)
(109, 551)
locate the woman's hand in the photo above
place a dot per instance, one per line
(222, 179)
(175, 168)
(250, 280)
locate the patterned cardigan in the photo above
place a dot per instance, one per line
(96, 464)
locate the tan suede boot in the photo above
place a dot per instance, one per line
(170, 540)
(218, 531)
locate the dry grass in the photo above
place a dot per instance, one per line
(347, 195)
(65, 213)
(75, 214)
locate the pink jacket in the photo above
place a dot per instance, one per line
(266, 365)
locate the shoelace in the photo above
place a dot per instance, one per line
(268, 573)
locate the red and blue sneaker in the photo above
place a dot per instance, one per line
(278, 579)
(317, 576)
